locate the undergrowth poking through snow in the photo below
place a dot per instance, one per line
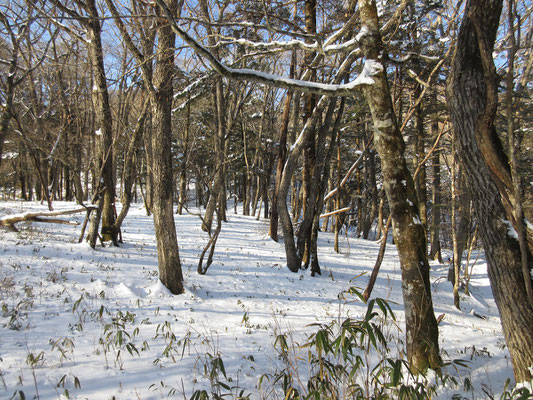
(98, 324)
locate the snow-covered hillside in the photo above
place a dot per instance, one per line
(97, 324)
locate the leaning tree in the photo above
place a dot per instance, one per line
(472, 93)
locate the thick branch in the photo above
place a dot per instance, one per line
(11, 220)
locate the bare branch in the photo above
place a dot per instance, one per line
(244, 74)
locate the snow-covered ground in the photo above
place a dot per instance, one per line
(97, 324)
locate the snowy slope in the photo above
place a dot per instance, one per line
(72, 315)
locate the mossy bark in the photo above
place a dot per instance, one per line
(409, 234)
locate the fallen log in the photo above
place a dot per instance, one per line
(9, 221)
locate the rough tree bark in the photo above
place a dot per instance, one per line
(161, 100)
(472, 101)
(103, 120)
(160, 91)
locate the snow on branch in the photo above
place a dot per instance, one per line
(278, 45)
(342, 210)
(325, 48)
(250, 75)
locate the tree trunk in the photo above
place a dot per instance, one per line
(183, 168)
(305, 231)
(456, 268)
(129, 174)
(338, 196)
(322, 176)
(370, 177)
(420, 181)
(282, 153)
(472, 100)
(435, 253)
(161, 101)
(217, 187)
(103, 122)
(409, 234)
(309, 185)
(148, 159)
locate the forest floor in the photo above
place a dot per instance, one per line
(98, 324)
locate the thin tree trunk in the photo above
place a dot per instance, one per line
(130, 171)
(420, 181)
(435, 253)
(456, 256)
(379, 260)
(323, 166)
(217, 188)
(183, 168)
(338, 196)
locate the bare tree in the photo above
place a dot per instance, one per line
(87, 15)
(160, 92)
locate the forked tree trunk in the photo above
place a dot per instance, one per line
(309, 184)
(217, 188)
(311, 213)
(293, 260)
(282, 154)
(409, 234)
(472, 100)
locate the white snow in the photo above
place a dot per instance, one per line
(9, 155)
(362, 33)
(370, 68)
(510, 229)
(66, 302)
(363, 79)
